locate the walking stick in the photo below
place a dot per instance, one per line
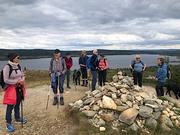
(22, 98)
(47, 104)
(22, 115)
(59, 92)
(49, 92)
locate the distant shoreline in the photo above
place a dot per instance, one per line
(40, 53)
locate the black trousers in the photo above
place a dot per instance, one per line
(137, 77)
(15, 107)
(102, 77)
(159, 89)
(84, 75)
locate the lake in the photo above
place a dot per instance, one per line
(115, 61)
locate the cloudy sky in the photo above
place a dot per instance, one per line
(88, 24)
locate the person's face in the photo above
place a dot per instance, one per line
(138, 58)
(96, 53)
(16, 60)
(101, 57)
(68, 56)
(158, 62)
(57, 55)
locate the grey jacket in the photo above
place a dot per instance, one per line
(57, 66)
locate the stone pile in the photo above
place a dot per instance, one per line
(121, 103)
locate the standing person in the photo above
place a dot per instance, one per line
(15, 92)
(93, 65)
(83, 67)
(137, 66)
(69, 64)
(57, 70)
(161, 76)
(102, 72)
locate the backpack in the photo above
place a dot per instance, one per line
(89, 63)
(63, 63)
(2, 83)
(104, 61)
(169, 74)
(134, 62)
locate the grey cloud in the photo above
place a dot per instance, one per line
(143, 18)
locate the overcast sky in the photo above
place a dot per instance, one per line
(88, 24)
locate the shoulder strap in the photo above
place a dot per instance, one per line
(142, 63)
(133, 63)
(62, 60)
(10, 69)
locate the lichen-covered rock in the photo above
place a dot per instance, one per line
(145, 111)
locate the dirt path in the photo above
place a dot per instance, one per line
(53, 121)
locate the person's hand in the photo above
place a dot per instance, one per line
(21, 82)
(50, 74)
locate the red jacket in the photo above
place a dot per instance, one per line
(10, 95)
(69, 63)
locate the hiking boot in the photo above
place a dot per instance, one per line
(61, 100)
(10, 128)
(55, 102)
(21, 120)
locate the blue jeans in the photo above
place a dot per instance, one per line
(55, 83)
(16, 108)
(94, 79)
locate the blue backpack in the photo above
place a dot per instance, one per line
(89, 63)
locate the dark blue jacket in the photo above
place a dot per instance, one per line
(94, 62)
(83, 61)
(161, 73)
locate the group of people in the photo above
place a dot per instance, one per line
(137, 67)
(59, 69)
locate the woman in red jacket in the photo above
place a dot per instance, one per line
(69, 64)
(103, 66)
(15, 91)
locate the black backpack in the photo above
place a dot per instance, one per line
(134, 62)
(169, 74)
(2, 83)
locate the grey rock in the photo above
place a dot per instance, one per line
(78, 104)
(156, 115)
(96, 108)
(145, 111)
(89, 113)
(134, 127)
(151, 123)
(101, 122)
(115, 79)
(166, 121)
(95, 92)
(88, 101)
(98, 95)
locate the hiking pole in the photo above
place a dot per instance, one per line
(49, 91)
(58, 91)
(22, 98)
(22, 115)
(47, 104)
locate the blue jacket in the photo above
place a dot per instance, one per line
(161, 73)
